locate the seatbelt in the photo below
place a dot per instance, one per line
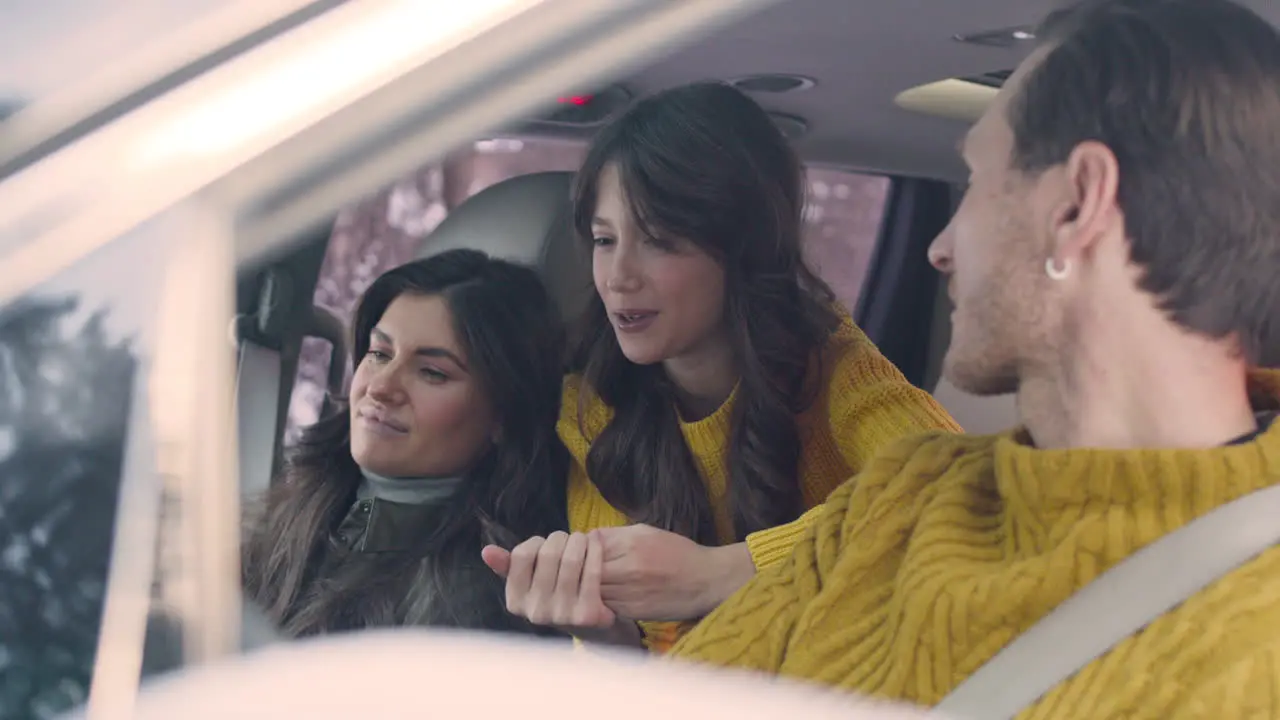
(1117, 604)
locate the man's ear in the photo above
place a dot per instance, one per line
(1088, 208)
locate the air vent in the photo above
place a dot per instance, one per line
(1004, 37)
(792, 127)
(773, 83)
(995, 79)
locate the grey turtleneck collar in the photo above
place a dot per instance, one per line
(406, 491)
(389, 513)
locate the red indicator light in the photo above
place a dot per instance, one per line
(575, 100)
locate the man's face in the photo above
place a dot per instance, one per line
(993, 255)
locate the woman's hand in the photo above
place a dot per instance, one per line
(637, 572)
(555, 581)
(654, 574)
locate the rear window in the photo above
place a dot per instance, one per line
(842, 223)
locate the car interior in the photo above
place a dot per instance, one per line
(885, 90)
(836, 79)
(864, 89)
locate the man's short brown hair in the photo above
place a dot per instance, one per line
(1186, 94)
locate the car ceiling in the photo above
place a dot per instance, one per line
(863, 53)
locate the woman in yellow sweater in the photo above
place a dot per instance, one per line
(1126, 329)
(721, 392)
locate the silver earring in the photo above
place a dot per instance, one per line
(1054, 272)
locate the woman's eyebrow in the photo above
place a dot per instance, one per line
(427, 351)
(439, 352)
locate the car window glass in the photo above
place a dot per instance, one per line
(71, 355)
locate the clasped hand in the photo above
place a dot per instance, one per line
(595, 584)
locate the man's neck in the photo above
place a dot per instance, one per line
(1171, 392)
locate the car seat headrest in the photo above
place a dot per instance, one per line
(525, 219)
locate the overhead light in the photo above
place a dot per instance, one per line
(954, 99)
(1003, 37)
(586, 109)
(773, 83)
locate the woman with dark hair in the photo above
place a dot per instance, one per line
(447, 442)
(720, 390)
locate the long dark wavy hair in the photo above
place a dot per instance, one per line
(705, 163)
(512, 336)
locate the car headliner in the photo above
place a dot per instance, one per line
(861, 53)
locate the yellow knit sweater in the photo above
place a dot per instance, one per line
(865, 404)
(949, 546)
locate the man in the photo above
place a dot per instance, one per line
(1114, 263)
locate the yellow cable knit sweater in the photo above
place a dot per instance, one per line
(865, 404)
(949, 546)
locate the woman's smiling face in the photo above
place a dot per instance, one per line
(416, 410)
